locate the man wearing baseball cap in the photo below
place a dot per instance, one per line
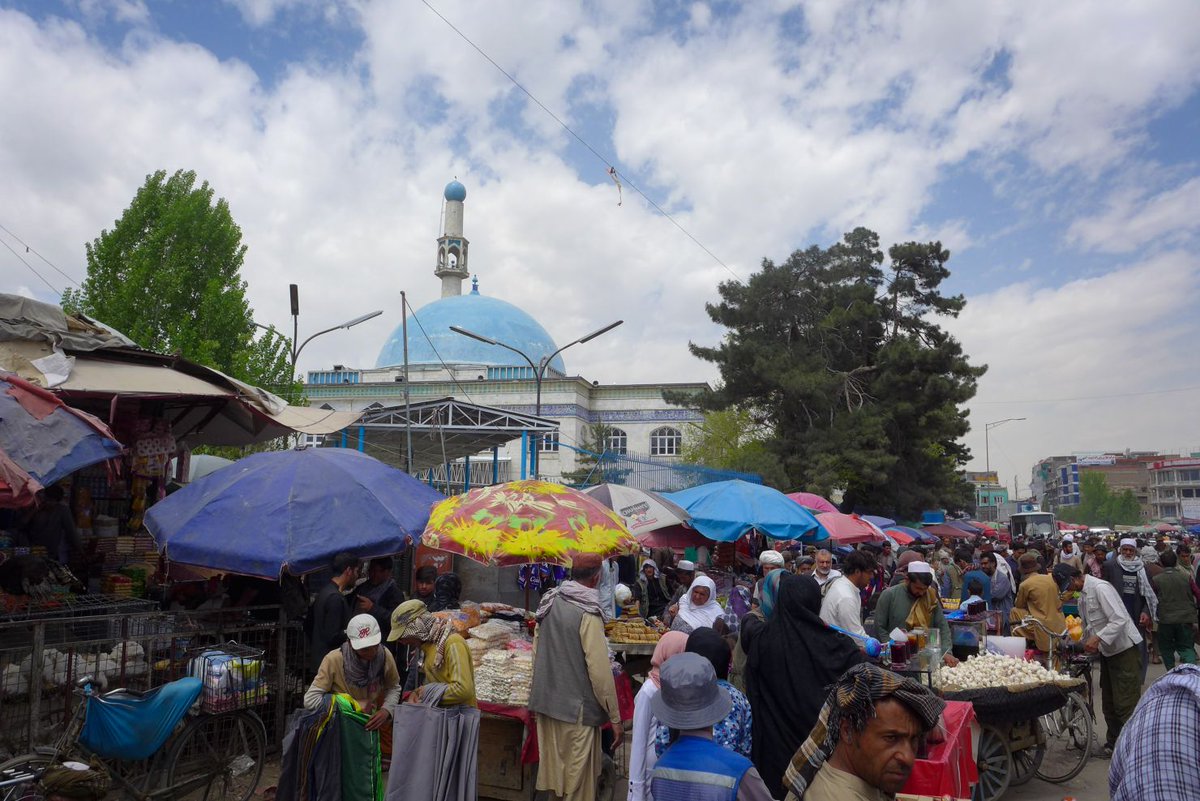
(690, 703)
(366, 672)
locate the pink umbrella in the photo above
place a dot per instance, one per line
(810, 501)
(849, 529)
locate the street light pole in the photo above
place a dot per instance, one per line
(987, 427)
(539, 370)
(294, 291)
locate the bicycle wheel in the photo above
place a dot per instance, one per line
(994, 761)
(1068, 734)
(218, 758)
(19, 777)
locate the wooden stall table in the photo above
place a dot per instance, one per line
(949, 769)
(508, 746)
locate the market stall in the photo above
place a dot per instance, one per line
(518, 523)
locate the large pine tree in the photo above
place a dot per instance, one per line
(843, 358)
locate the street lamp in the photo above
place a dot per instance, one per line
(987, 427)
(295, 298)
(539, 369)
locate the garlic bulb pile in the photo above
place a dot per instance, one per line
(995, 670)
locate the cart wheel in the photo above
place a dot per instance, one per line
(218, 757)
(19, 777)
(995, 764)
(1068, 733)
(1025, 764)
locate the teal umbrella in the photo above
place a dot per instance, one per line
(726, 510)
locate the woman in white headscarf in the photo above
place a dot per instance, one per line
(698, 607)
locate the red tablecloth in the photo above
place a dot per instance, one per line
(529, 750)
(950, 767)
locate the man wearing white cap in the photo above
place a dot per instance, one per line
(364, 671)
(1127, 574)
(768, 560)
(913, 604)
(1069, 555)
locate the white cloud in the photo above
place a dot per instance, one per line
(132, 12)
(754, 143)
(1132, 220)
(1103, 338)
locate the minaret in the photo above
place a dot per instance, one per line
(452, 245)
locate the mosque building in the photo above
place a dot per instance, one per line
(444, 364)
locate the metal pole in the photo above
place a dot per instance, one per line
(37, 660)
(407, 399)
(537, 412)
(281, 675)
(987, 451)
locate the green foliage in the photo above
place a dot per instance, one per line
(732, 439)
(854, 383)
(168, 276)
(1100, 506)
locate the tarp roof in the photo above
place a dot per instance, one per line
(78, 358)
(443, 430)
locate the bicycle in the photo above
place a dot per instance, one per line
(186, 754)
(1065, 735)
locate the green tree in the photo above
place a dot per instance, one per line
(733, 439)
(168, 276)
(1100, 506)
(860, 388)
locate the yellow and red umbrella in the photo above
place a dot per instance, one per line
(526, 521)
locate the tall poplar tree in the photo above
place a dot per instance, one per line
(168, 276)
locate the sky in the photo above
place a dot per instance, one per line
(1053, 148)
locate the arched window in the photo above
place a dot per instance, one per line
(665, 441)
(617, 442)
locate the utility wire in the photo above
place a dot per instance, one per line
(439, 356)
(1088, 397)
(29, 249)
(613, 170)
(30, 266)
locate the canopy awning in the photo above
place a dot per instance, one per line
(205, 406)
(443, 431)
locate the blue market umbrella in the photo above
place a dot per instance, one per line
(294, 510)
(725, 510)
(882, 522)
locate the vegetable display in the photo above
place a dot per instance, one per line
(996, 670)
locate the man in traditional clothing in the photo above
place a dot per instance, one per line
(768, 561)
(1001, 587)
(1068, 555)
(364, 670)
(1108, 630)
(573, 691)
(651, 591)
(1038, 598)
(866, 739)
(825, 571)
(913, 604)
(1127, 574)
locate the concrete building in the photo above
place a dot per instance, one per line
(444, 364)
(1057, 479)
(990, 495)
(1175, 489)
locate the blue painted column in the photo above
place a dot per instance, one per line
(362, 439)
(496, 464)
(524, 453)
(343, 437)
(466, 474)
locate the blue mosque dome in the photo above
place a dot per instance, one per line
(491, 317)
(455, 191)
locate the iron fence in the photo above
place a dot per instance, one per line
(42, 657)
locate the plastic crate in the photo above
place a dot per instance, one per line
(232, 675)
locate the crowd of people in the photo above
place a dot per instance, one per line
(769, 694)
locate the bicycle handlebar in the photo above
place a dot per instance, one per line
(1029, 620)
